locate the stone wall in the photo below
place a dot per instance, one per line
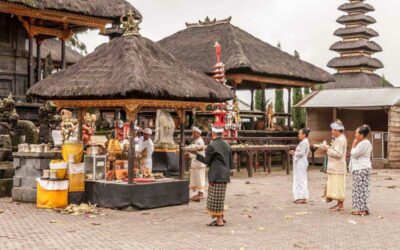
(28, 167)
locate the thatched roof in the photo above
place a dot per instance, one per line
(53, 47)
(355, 61)
(356, 80)
(356, 45)
(97, 8)
(356, 6)
(356, 31)
(241, 53)
(130, 67)
(359, 18)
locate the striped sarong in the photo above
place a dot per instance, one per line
(216, 198)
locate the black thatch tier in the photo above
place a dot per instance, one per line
(356, 31)
(242, 53)
(53, 47)
(130, 67)
(356, 6)
(356, 80)
(356, 45)
(355, 61)
(98, 8)
(359, 18)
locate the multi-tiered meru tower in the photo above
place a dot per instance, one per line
(355, 66)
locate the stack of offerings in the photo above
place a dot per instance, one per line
(54, 187)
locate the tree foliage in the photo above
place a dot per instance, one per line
(279, 106)
(258, 100)
(297, 113)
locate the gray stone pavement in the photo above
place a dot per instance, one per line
(260, 216)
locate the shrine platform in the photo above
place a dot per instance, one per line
(168, 192)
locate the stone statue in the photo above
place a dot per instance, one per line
(11, 128)
(236, 112)
(49, 119)
(165, 128)
(68, 125)
(88, 128)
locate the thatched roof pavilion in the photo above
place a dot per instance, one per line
(249, 62)
(133, 73)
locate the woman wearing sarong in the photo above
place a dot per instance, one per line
(337, 168)
(300, 166)
(360, 168)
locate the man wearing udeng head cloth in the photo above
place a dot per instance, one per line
(219, 159)
(197, 169)
(337, 167)
(146, 149)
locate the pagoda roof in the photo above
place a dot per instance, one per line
(356, 80)
(242, 53)
(130, 67)
(357, 18)
(356, 31)
(99, 8)
(355, 61)
(356, 45)
(356, 6)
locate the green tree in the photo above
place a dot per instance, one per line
(307, 91)
(384, 82)
(297, 113)
(259, 100)
(296, 54)
(48, 66)
(75, 43)
(279, 106)
(320, 87)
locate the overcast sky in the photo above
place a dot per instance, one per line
(303, 25)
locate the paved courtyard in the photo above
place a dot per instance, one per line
(260, 216)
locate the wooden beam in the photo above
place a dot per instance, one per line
(63, 57)
(182, 120)
(37, 30)
(53, 15)
(38, 60)
(269, 80)
(132, 112)
(122, 103)
(30, 63)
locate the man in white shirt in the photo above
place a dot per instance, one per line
(146, 149)
(197, 169)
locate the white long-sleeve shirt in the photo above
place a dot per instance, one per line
(301, 153)
(361, 156)
(148, 145)
(198, 143)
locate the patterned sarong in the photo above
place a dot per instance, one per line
(216, 198)
(361, 189)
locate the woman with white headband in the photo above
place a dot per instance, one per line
(337, 167)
